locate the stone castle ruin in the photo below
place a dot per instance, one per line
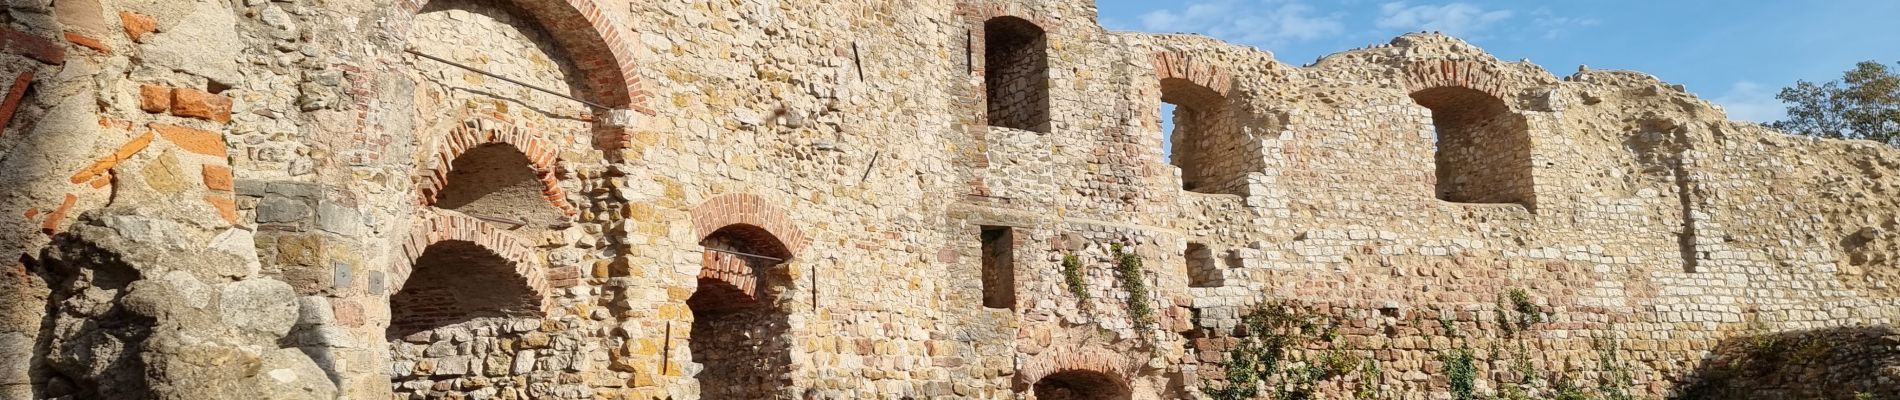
(605, 199)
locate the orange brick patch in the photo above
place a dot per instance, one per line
(51, 225)
(35, 47)
(14, 95)
(88, 42)
(106, 163)
(201, 104)
(155, 98)
(192, 140)
(217, 177)
(227, 207)
(137, 25)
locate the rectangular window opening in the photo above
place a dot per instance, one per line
(1202, 268)
(999, 267)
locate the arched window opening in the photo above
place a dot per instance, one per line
(1080, 385)
(1483, 150)
(1203, 269)
(738, 334)
(497, 182)
(1016, 74)
(456, 286)
(1202, 143)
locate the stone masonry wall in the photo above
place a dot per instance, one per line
(282, 199)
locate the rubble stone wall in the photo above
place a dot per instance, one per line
(208, 199)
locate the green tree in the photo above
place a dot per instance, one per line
(1863, 104)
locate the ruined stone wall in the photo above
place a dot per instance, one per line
(791, 199)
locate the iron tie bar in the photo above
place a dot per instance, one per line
(504, 78)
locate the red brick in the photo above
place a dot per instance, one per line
(155, 98)
(193, 140)
(217, 177)
(51, 225)
(14, 95)
(106, 163)
(137, 25)
(88, 42)
(201, 104)
(227, 207)
(32, 212)
(102, 181)
(35, 47)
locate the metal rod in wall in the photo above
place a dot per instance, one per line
(504, 78)
(745, 254)
(666, 350)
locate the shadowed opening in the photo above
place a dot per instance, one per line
(1016, 74)
(1202, 267)
(454, 282)
(1080, 385)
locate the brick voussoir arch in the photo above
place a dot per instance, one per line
(1175, 65)
(748, 209)
(594, 42)
(1481, 76)
(474, 133)
(1057, 361)
(439, 226)
(976, 14)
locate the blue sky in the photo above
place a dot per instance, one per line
(1735, 53)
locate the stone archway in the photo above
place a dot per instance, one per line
(1075, 373)
(740, 335)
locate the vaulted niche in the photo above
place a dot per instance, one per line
(1016, 74)
(1483, 150)
(739, 334)
(497, 182)
(459, 288)
(455, 282)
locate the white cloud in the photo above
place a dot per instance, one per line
(1267, 23)
(1451, 18)
(1749, 101)
(1554, 25)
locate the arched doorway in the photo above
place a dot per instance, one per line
(739, 333)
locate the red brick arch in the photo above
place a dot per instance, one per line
(591, 38)
(976, 14)
(751, 210)
(1055, 361)
(435, 227)
(1480, 76)
(595, 43)
(1180, 67)
(433, 178)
